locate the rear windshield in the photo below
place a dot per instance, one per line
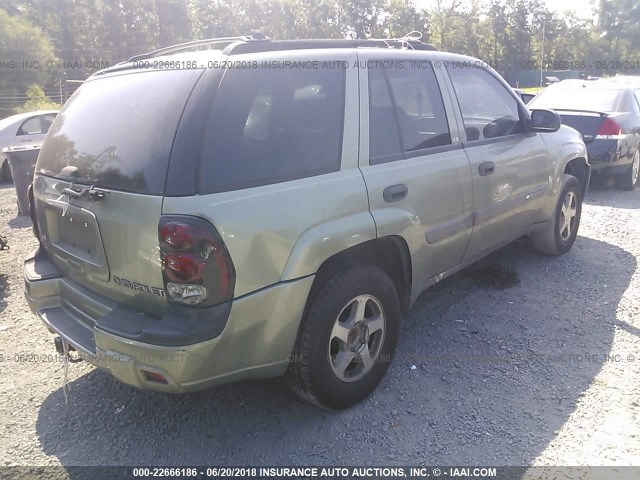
(578, 98)
(117, 132)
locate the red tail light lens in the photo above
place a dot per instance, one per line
(196, 266)
(177, 235)
(183, 268)
(609, 128)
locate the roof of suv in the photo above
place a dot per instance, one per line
(257, 42)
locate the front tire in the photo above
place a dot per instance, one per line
(347, 338)
(560, 235)
(628, 180)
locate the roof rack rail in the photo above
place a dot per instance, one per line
(259, 42)
(411, 41)
(237, 48)
(208, 42)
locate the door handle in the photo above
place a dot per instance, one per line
(486, 168)
(395, 193)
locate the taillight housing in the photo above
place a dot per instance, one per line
(609, 129)
(196, 266)
(32, 211)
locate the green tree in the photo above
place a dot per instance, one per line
(401, 17)
(24, 50)
(443, 17)
(519, 33)
(174, 22)
(211, 19)
(468, 34)
(37, 100)
(618, 21)
(360, 18)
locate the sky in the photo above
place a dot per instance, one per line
(582, 8)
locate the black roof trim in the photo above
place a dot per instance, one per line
(209, 42)
(240, 47)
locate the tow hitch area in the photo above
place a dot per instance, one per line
(63, 348)
(60, 348)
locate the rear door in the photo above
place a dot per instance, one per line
(416, 171)
(116, 135)
(510, 166)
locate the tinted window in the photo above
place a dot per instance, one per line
(488, 109)
(408, 97)
(118, 131)
(270, 126)
(384, 138)
(577, 97)
(31, 126)
(46, 121)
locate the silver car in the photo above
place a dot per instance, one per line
(21, 129)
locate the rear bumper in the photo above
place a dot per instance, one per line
(607, 170)
(256, 339)
(607, 158)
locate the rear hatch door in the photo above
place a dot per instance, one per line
(100, 181)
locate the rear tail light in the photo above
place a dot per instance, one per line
(32, 211)
(196, 266)
(610, 129)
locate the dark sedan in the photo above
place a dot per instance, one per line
(607, 114)
(525, 96)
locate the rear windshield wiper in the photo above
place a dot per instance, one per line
(90, 193)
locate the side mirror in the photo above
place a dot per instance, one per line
(545, 120)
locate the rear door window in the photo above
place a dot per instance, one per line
(117, 132)
(31, 126)
(384, 133)
(269, 126)
(488, 109)
(419, 106)
(405, 100)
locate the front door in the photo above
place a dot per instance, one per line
(509, 164)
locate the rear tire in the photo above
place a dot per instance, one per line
(628, 180)
(5, 172)
(559, 236)
(347, 338)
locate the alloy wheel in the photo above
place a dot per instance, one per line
(568, 213)
(357, 338)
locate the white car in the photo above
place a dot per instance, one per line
(21, 129)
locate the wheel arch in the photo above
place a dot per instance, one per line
(390, 254)
(579, 168)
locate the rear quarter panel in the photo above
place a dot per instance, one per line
(285, 231)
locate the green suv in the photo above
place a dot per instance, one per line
(272, 207)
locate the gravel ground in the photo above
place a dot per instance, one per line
(521, 360)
